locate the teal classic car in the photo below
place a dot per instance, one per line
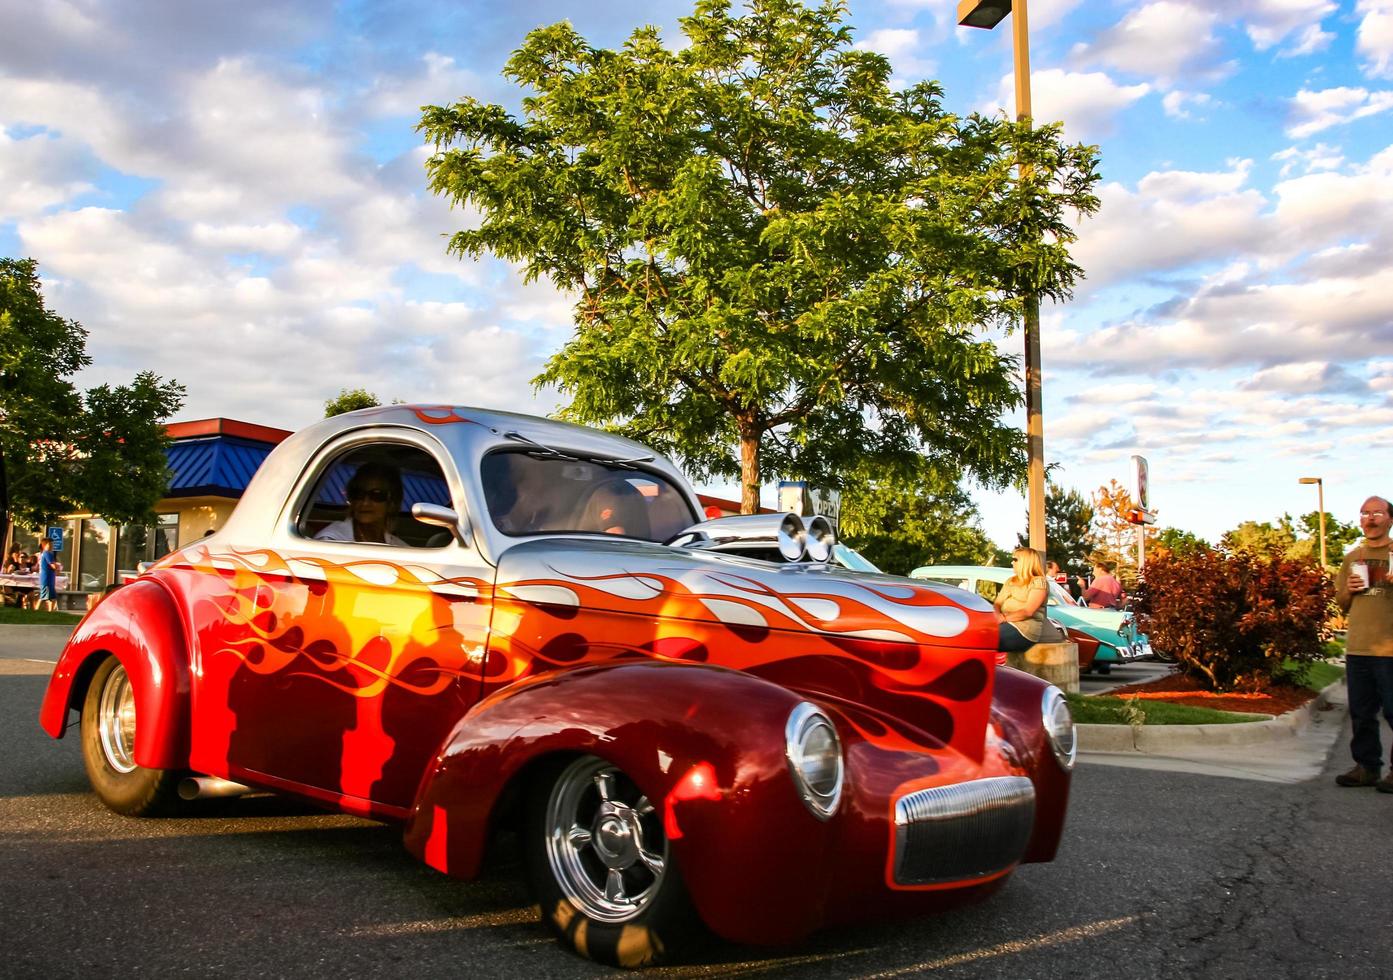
(1116, 632)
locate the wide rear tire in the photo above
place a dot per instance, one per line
(108, 749)
(599, 863)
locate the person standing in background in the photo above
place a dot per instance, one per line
(1362, 590)
(48, 577)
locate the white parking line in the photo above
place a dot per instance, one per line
(1070, 935)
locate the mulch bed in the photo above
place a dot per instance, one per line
(1178, 689)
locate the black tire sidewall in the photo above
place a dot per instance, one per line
(142, 792)
(665, 929)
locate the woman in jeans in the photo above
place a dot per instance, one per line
(1021, 604)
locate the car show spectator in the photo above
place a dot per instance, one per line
(1105, 592)
(48, 577)
(1021, 604)
(1363, 593)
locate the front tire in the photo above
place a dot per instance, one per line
(108, 749)
(599, 863)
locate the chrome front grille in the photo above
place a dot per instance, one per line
(967, 830)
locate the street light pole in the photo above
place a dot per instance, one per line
(1320, 503)
(987, 14)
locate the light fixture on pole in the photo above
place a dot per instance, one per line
(1320, 502)
(987, 14)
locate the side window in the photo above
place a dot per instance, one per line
(988, 589)
(365, 494)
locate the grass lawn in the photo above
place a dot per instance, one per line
(9, 615)
(1321, 675)
(1113, 711)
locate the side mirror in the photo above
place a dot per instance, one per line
(444, 517)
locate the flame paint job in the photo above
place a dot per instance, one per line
(418, 685)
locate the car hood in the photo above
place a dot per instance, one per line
(908, 665)
(633, 576)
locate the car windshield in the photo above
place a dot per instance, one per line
(536, 493)
(853, 559)
(1060, 594)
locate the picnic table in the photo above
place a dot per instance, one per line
(21, 587)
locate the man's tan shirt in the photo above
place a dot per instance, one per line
(1371, 611)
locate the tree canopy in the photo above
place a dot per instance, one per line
(350, 400)
(900, 526)
(63, 450)
(1068, 529)
(781, 264)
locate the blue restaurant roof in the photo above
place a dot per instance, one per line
(216, 466)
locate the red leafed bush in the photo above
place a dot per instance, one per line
(1232, 621)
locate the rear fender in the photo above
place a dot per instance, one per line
(1016, 712)
(748, 849)
(140, 625)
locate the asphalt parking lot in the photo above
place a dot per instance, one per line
(1137, 672)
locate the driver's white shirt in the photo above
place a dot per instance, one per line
(343, 531)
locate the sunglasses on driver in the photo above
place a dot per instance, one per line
(375, 494)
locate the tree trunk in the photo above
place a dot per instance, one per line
(749, 468)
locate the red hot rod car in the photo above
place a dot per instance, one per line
(460, 620)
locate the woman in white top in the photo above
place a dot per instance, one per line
(1021, 605)
(374, 500)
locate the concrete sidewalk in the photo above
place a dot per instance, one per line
(1289, 749)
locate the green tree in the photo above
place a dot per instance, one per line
(1068, 529)
(1339, 536)
(901, 526)
(63, 450)
(1175, 541)
(1263, 539)
(772, 250)
(350, 400)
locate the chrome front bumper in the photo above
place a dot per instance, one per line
(963, 831)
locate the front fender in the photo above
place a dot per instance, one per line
(1016, 710)
(751, 854)
(140, 625)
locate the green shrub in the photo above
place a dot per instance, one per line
(1236, 621)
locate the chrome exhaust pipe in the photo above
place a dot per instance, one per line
(209, 787)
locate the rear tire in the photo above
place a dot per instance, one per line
(1104, 668)
(599, 863)
(108, 746)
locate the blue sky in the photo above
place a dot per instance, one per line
(233, 195)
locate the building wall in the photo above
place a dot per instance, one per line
(197, 515)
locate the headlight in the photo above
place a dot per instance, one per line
(814, 759)
(1059, 726)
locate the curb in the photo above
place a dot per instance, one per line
(1161, 738)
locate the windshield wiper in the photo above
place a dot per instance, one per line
(550, 452)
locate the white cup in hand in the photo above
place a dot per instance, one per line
(1358, 576)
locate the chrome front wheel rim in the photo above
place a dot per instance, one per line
(116, 721)
(605, 841)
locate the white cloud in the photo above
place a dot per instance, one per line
(1306, 377)
(1172, 220)
(1322, 156)
(902, 46)
(1375, 38)
(37, 173)
(1270, 22)
(1312, 111)
(1087, 102)
(1175, 103)
(440, 82)
(1164, 39)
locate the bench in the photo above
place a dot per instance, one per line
(1057, 663)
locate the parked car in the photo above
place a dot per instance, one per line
(679, 735)
(1116, 631)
